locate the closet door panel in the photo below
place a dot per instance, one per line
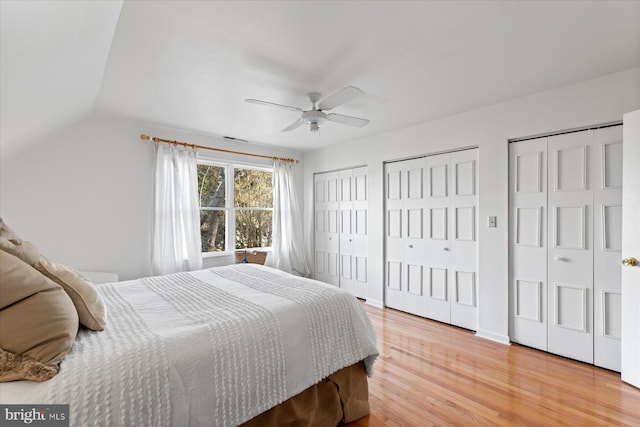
(463, 239)
(528, 242)
(320, 227)
(394, 235)
(333, 228)
(437, 237)
(570, 255)
(438, 287)
(607, 236)
(360, 206)
(346, 230)
(414, 231)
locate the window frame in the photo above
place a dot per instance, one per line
(230, 208)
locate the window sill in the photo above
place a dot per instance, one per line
(206, 255)
(217, 259)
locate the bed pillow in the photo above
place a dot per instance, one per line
(85, 297)
(37, 318)
(11, 243)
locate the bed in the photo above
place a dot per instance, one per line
(224, 346)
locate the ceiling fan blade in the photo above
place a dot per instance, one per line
(293, 125)
(347, 120)
(273, 104)
(340, 97)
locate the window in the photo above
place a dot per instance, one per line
(244, 205)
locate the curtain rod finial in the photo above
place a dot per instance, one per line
(145, 137)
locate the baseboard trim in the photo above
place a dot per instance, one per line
(492, 336)
(375, 303)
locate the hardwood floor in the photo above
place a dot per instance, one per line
(429, 374)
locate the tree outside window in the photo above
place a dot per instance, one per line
(244, 205)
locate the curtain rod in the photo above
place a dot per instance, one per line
(203, 147)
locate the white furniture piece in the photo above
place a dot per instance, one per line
(340, 229)
(430, 237)
(565, 243)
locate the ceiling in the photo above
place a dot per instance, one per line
(191, 64)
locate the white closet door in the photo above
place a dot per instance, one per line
(528, 242)
(414, 243)
(630, 345)
(320, 227)
(395, 189)
(360, 231)
(431, 237)
(570, 255)
(333, 228)
(463, 211)
(437, 237)
(340, 209)
(607, 212)
(346, 230)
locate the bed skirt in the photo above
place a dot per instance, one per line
(342, 397)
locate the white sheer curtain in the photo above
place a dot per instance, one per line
(288, 244)
(176, 220)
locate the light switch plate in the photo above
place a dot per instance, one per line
(493, 222)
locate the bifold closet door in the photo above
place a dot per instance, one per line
(346, 228)
(464, 241)
(607, 248)
(326, 210)
(353, 231)
(570, 252)
(565, 277)
(340, 209)
(431, 243)
(451, 242)
(360, 208)
(528, 254)
(412, 228)
(404, 248)
(438, 238)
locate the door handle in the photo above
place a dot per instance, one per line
(561, 258)
(630, 262)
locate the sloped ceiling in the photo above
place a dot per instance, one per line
(52, 59)
(191, 64)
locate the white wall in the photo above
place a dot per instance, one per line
(85, 196)
(595, 101)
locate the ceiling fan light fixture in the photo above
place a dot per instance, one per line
(317, 115)
(314, 116)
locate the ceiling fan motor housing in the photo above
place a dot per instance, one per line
(314, 118)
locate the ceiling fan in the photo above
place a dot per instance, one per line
(316, 115)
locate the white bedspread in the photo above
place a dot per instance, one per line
(212, 347)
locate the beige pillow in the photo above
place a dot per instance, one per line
(10, 242)
(37, 317)
(91, 310)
